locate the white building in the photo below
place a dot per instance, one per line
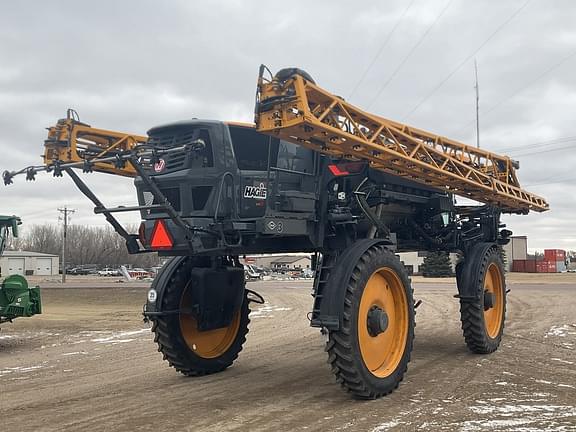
(28, 263)
(516, 249)
(280, 262)
(291, 263)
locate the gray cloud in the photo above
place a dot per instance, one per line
(135, 64)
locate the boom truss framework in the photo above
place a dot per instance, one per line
(72, 141)
(299, 111)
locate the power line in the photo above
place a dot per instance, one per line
(550, 177)
(524, 87)
(548, 150)
(539, 144)
(405, 59)
(66, 212)
(361, 80)
(477, 91)
(566, 179)
(463, 62)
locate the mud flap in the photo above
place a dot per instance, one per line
(470, 269)
(216, 294)
(332, 301)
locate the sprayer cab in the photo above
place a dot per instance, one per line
(229, 185)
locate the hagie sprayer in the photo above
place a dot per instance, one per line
(313, 174)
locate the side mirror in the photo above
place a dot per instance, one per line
(15, 222)
(198, 144)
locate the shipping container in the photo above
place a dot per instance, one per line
(551, 266)
(518, 266)
(560, 266)
(542, 266)
(554, 255)
(530, 266)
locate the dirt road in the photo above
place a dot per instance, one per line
(90, 364)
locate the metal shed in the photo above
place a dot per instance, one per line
(29, 263)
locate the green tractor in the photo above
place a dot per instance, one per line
(16, 298)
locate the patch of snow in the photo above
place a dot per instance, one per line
(489, 425)
(561, 331)
(562, 361)
(506, 409)
(21, 369)
(383, 427)
(521, 418)
(28, 335)
(266, 311)
(120, 337)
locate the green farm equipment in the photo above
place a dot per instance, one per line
(16, 298)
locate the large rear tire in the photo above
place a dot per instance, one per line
(190, 351)
(484, 314)
(370, 353)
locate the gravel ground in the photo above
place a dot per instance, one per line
(89, 363)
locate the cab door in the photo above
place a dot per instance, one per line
(253, 152)
(296, 178)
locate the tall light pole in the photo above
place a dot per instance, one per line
(477, 105)
(65, 211)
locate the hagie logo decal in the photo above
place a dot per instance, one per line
(255, 192)
(160, 165)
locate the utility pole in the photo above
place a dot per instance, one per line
(477, 106)
(65, 211)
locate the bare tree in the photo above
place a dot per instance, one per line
(86, 245)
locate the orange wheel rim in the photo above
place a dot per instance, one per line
(206, 344)
(382, 353)
(493, 284)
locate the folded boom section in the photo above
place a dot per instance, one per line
(297, 110)
(72, 141)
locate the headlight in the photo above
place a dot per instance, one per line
(152, 295)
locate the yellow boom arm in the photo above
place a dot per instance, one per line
(295, 109)
(72, 141)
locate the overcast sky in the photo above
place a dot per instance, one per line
(131, 65)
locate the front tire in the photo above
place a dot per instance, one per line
(190, 351)
(483, 315)
(370, 353)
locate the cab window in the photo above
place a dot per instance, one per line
(251, 148)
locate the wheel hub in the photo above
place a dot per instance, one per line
(377, 321)
(488, 300)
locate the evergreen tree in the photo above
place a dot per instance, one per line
(436, 264)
